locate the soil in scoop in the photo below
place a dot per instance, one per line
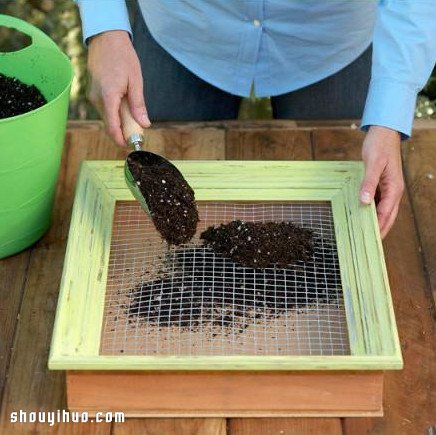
(257, 244)
(200, 287)
(17, 98)
(170, 199)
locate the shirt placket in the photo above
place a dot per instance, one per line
(249, 53)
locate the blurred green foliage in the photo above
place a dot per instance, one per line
(60, 19)
(426, 104)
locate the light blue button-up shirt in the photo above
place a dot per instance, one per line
(283, 45)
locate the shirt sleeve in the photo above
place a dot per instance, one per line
(404, 54)
(102, 15)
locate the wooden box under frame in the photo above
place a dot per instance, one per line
(218, 385)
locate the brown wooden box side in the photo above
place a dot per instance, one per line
(230, 394)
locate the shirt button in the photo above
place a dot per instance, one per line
(256, 23)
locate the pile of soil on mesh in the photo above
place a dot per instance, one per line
(257, 244)
(17, 98)
(170, 199)
(203, 288)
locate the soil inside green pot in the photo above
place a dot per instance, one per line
(17, 98)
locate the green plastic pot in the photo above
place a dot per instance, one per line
(31, 144)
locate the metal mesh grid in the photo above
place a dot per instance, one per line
(310, 321)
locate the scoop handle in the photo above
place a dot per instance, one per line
(132, 131)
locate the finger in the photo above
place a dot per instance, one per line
(389, 220)
(390, 199)
(111, 102)
(384, 210)
(388, 225)
(373, 171)
(135, 97)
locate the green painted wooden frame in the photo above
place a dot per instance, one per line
(371, 324)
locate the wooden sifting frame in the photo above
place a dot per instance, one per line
(374, 342)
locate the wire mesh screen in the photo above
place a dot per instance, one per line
(187, 300)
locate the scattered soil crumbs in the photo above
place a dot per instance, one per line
(170, 199)
(257, 244)
(17, 98)
(202, 288)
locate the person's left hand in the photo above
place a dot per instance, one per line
(381, 154)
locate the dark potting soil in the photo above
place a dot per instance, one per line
(170, 199)
(17, 98)
(200, 288)
(257, 244)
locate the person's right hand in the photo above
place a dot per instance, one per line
(115, 72)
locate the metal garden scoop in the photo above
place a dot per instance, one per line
(135, 139)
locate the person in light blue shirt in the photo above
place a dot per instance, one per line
(195, 59)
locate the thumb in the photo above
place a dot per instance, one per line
(135, 97)
(370, 182)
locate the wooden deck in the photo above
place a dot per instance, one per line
(29, 281)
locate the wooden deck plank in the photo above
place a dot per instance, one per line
(13, 273)
(410, 393)
(285, 426)
(178, 141)
(30, 385)
(172, 426)
(258, 143)
(420, 171)
(187, 143)
(87, 428)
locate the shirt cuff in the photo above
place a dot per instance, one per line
(97, 17)
(390, 104)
